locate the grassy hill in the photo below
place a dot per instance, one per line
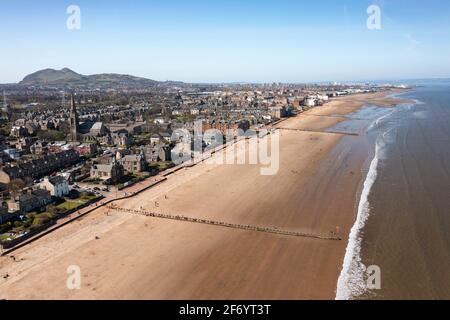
(68, 79)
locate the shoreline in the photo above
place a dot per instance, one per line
(350, 284)
(351, 275)
(406, 234)
(178, 240)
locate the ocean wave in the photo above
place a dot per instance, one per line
(377, 121)
(351, 282)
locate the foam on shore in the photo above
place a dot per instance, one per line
(351, 282)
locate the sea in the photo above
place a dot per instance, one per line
(399, 246)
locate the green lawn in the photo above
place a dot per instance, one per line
(70, 204)
(4, 237)
(73, 204)
(87, 197)
(160, 165)
(34, 220)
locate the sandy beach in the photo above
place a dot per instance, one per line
(124, 256)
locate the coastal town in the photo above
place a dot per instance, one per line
(64, 151)
(224, 159)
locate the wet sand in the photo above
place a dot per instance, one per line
(135, 257)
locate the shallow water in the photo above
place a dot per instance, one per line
(408, 232)
(405, 210)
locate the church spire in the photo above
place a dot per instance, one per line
(73, 119)
(73, 108)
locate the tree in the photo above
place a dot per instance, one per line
(52, 210)
(39, 221)
(64, 127)
(16, 185)
(51, 135)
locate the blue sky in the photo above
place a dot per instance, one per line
(228, 40)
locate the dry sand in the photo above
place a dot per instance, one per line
(135, 257)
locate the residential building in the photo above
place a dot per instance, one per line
(19, 132)
(122, 139)
(227, 127)
(157, 153)
(37, 148)
(5, 216)
(167, 137)
(57, 186)
(39, 168)
(13, 154)
(30, 201)
(154, 139)
(108, 173)
(134, 163)
(86, 149)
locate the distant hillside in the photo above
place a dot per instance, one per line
(67, 78)
(51, 76)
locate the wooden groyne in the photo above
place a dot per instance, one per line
(343, 116)
(223, 224)
(317, 131)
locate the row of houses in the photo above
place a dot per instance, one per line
(112, 169)
(39, 168)
(83, 149)
(226, 127)
(30, 201)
